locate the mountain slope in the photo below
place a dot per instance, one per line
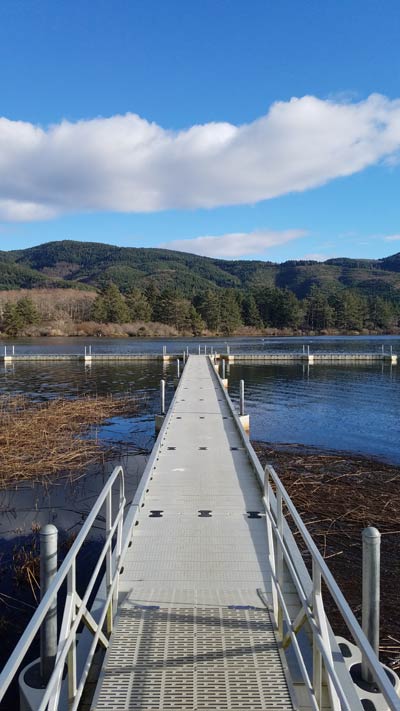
(90, 265)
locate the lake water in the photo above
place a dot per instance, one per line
(353, 408)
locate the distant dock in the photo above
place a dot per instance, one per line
(10, 356)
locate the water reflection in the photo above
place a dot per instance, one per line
(353, 407)
(340, 344)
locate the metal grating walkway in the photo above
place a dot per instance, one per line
(193, 658)
(191, 632)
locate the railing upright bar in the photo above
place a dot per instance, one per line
(317, 660)
(279, 556)
(118, 546)
(271, 546)
(109, 559)
(71, 658)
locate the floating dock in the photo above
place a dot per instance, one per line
(207, 603)
(270, 357)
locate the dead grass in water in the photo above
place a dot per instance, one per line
(41, 440)
(337, 495)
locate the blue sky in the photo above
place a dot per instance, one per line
(221, 161)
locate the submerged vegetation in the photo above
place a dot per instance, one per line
(41, 440)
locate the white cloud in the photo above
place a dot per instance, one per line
(125, 163)
(315, 257)
(392, 238)
(235, 244)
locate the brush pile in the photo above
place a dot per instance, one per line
(338, 495)
(41, 440)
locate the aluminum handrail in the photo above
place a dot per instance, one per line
(294, 557)
(68, 566)
(380, 677)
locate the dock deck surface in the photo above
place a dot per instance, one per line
(191, 632)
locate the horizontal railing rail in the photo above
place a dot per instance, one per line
(76, 609)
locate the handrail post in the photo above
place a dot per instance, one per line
(223, 368)
(241, 409)
(178, 367)
(271, 545)
(48, 630)
(162, 397)
(109, 560)
(279, 556)
(71, 658)
(118, 544)
(317, 658)
(371, 540)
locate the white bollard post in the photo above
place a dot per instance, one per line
(48, 630)
(162, 396)
(241, 410)
(371, 539)
(178, 368)
(223, 369)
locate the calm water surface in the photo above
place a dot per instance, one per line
(353, 408)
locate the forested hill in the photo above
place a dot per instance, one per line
(88, 265)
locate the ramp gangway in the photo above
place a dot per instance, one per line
(206, 586)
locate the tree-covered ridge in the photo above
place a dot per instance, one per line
(213, 311)
(194, 294)
(96, 264)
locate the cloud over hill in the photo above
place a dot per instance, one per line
(127, 164)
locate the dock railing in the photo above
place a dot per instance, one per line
(76, 609)
(312, 606)
(283, 549)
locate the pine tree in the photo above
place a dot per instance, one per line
(250, 313)
(138, 306)
(209, 308)
(27, 310)
(13, 322)
(110, 306)
(196, 322)
(230, 312)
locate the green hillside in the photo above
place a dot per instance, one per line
(89, 265)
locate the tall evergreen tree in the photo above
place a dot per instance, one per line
(230, 312)
(27, 310)
(13, 322)
(250, 313)
(110, 306)
(209, 308)
(138, 306)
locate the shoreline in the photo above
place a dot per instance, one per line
(149, 330)
(338, 494)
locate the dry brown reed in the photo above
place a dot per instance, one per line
(337, 496)
(41, 440)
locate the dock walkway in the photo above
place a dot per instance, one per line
(192, 633)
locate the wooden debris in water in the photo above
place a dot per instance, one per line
(337, 496)
(41, 440)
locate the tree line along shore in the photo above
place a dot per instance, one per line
(168, 312)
